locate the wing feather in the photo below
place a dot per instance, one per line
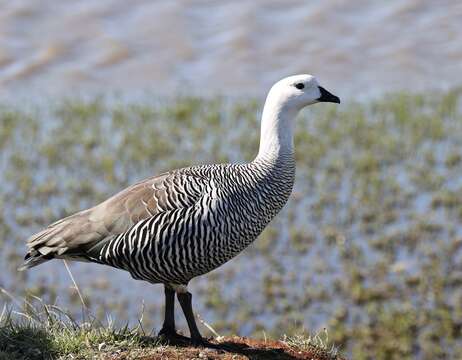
(73, 236)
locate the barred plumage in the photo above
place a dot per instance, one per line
(176, 245)
(171, 228)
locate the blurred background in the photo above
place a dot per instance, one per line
(229, 47)
(95, 95)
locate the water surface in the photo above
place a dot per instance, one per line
(361, 48)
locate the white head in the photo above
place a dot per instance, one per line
(297, 91)
(285, 99)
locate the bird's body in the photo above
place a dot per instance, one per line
(191, 221)
(182, 242)
(176, 226)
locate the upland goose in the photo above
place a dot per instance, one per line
(184, 223)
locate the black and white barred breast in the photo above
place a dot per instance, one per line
(206, 216)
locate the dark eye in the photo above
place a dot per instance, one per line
(299, 86)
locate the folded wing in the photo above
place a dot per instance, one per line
(73, 236)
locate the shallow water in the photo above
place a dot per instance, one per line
(359, 48)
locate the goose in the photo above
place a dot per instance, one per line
(184, 223)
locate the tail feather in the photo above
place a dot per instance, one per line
(33, 258)
(70, 237)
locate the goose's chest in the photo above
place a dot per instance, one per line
(255, 198)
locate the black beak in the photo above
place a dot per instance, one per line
(326, 96)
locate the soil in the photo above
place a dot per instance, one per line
(235, 348)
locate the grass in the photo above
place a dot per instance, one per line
(42, 331)
(47, 332)
(316, 343)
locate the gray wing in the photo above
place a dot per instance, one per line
(76, 234)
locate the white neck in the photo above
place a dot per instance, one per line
(277, 126)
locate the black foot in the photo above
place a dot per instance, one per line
(201, 342)
(171, 335)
